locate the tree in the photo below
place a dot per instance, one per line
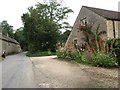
(64, 36)
(42, 25)
(7, 29)
(19, 36)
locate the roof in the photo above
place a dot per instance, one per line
(5, 38)
(111, 15)
(8, 39)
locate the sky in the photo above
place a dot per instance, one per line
(12, 10)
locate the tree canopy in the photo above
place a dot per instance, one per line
(7, 29)
(42, 25)
(64, 36)
(20, 37)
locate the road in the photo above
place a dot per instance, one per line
(17, 72)
(53, 73)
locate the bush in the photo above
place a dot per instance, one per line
(115, 47)
(107, 55)
(61, 55)
(104, 60)
(69, 56)
(100, 59)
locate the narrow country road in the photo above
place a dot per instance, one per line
(17, 72)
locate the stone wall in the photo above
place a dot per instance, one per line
(92, 19)
(110, 33)
(117, 28)
(9, 47)
(110, 29)
(0, 46)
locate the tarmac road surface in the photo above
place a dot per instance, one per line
(17, 72)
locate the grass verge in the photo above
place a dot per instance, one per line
(39, 54)
(1, 59)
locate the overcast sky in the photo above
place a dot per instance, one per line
(12, 10)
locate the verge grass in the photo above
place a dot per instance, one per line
(39, 54)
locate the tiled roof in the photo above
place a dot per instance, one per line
(112, 15)
(8, 39)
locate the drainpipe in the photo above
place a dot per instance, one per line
(114, 29)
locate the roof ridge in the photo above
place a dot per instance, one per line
(8, 38)
(108, 14)
(101, 9)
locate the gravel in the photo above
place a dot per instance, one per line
(50, 72)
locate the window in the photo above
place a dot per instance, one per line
(83, 21)
(75, 42)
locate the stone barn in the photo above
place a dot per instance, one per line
(9, 45)
(107, 20)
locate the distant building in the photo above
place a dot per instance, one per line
(9, 45)
(109, 21)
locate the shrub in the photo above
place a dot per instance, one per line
(115, 47)
(100, 59)
(61, 54)
(66, 55)
(104, 60)
(72, 56)
(104, 53)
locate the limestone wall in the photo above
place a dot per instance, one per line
(117, 28)
(110, 33)
(92, 19)
(0, 47)
(10, 47)
(110, 29)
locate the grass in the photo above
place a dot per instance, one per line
(1, 59)
(39, 54)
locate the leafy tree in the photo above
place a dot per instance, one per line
(64, 36)
(7, 29)
(42, 25)
(19, 36)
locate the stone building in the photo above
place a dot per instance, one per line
(107, 20)
(9, 45)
